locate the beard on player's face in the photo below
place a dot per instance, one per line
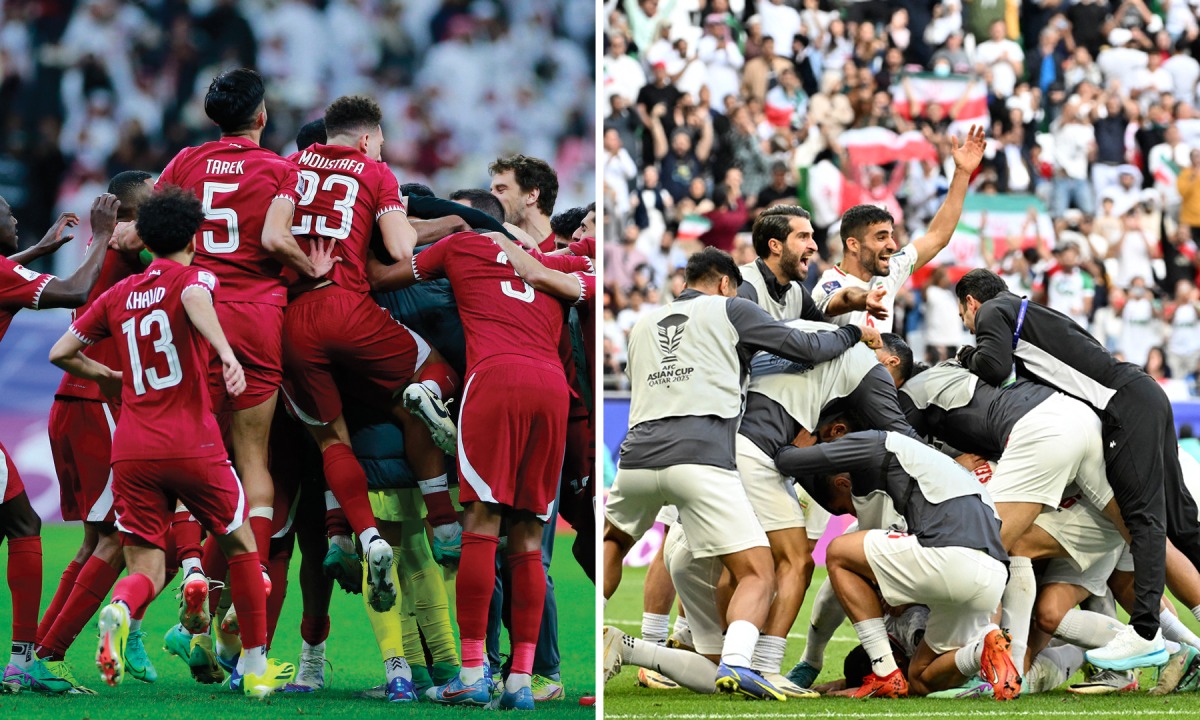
(794, 265)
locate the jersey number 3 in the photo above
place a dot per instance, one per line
(506, 286)
(162, 345)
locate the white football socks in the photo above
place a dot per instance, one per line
(874, 638)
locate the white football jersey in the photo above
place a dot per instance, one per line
(832, 280)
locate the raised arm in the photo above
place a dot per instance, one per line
(198, 304)
(941, 228)
(73, 291)
(50, 242)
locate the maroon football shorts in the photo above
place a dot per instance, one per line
(512, 433)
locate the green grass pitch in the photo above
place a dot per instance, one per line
(623, 700)
(351, 649)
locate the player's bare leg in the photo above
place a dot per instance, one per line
(852, 579)
(1016, 525)
(658, 595)
(250, 434)
(617, 545)
(428, 462)
(792, 555)
(348, 481)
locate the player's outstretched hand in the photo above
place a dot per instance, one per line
(320, 254)
(111, 385)
(235, 379)
(968, 155)
(875, 306)
(54, 237)
(104, 215)
(871, 337)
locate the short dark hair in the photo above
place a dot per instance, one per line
(567, 222)
(710, 265)
(233, 99)
(981, 284)
(531, 173)
(131, 189)
(820, 489)
(898, 347)
(352, 114)
(481, 200)
(417, 189)
(169, 219)
(591, 207)
(774, 224)
(857, 219)
(311, 133)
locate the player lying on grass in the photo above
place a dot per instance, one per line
(166, 315)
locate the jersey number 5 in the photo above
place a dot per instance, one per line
(162, 345)
(345, 206)
(228, 215)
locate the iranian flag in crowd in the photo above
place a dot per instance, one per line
(691, 227)
(879, 146)
(947, 91)
(991, 225)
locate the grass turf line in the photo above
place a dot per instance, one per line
(351, 648)
(623, 700)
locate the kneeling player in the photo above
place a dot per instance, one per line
(166, 314)
(950, 560)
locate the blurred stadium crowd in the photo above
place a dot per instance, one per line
(1088, 198)
(89, 88)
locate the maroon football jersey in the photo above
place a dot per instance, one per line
(501, 315)
(344, 194)
(20, 287)
(166, 411)
(117, 266)
(236, 181)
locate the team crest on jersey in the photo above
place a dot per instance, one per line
(670, 334)
(25, 272)
(831, 286)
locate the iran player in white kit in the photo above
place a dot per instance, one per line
(871, 257)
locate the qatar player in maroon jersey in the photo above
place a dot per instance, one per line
(82, 419)
(569, 275)
(333, 327)
(167, 446)
(511, 434)
(248, 194)
(527, 188)
(20, 526)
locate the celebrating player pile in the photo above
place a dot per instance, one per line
(241, 273)
(756, 418)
